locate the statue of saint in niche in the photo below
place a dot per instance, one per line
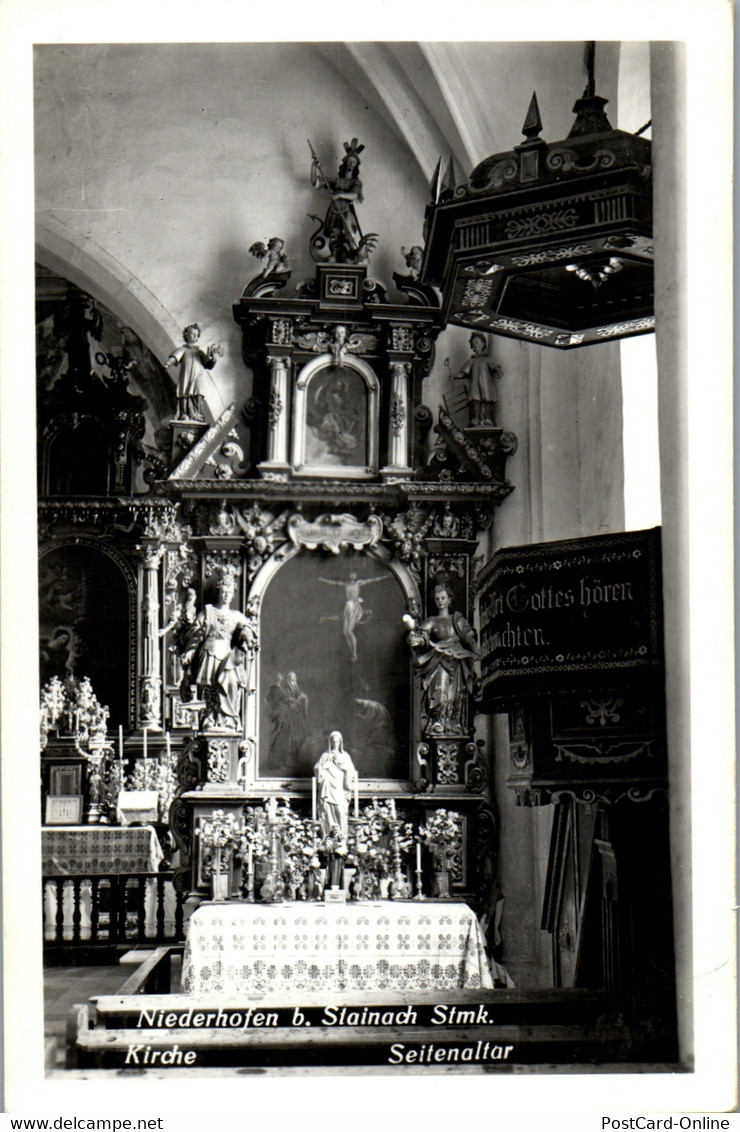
(214, 659)
(193, 362)
(482, 374)
(446, 649)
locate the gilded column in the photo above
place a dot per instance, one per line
(150, 676)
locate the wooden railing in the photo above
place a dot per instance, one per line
(103, 911)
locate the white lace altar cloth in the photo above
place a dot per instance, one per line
(98, 849)
(242, 948)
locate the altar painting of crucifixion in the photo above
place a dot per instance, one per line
(334, 658)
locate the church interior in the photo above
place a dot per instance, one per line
(359, 561)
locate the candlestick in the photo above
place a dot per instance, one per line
(250, 875)
(120, 743)
(419, 894)
(313, 798)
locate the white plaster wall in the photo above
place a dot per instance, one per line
(173, 159)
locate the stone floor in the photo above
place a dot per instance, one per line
(66, 986)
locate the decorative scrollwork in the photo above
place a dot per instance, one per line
(564, 160)
(218, 760)
(189, 766)
(408, 531)
(502, 171)
(334, 532)
(219, 562)
(447, 768)
(424, 780)
(475, 771)
(541, 223)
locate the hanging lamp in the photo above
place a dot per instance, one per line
(549, 242)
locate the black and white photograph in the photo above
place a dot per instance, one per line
(367, 562)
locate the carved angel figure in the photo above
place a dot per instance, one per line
(274, 263)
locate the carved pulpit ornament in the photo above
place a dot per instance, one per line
(550, 242)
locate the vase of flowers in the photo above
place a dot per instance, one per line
(442, 833)
(220, 835)
(369, 849)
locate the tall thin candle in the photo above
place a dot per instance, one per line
(120, 743)
(313, 798)
(357, 799)
(144, 734)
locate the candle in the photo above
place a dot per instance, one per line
(144, 733)
(313, 798)
(357, 799)
(167, 744)
(418, 856)
(392, 804)
(249, 860)
(120, 743)
(77, 721)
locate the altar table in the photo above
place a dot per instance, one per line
(98, 849)
(397, 946)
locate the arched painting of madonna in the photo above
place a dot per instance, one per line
(336, 418)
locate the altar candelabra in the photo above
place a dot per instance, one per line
(398, 889)
(272, 888)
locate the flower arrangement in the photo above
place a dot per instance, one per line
(441, 832)
(365, 852)
(443, 827)
(222, 834)
(382, 820)
(70, 707)
(299, 849)
(159, 775)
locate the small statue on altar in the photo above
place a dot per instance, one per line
(483, 374)
(193, 361)
(336, 778)
(214, 659)
(446, 650)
